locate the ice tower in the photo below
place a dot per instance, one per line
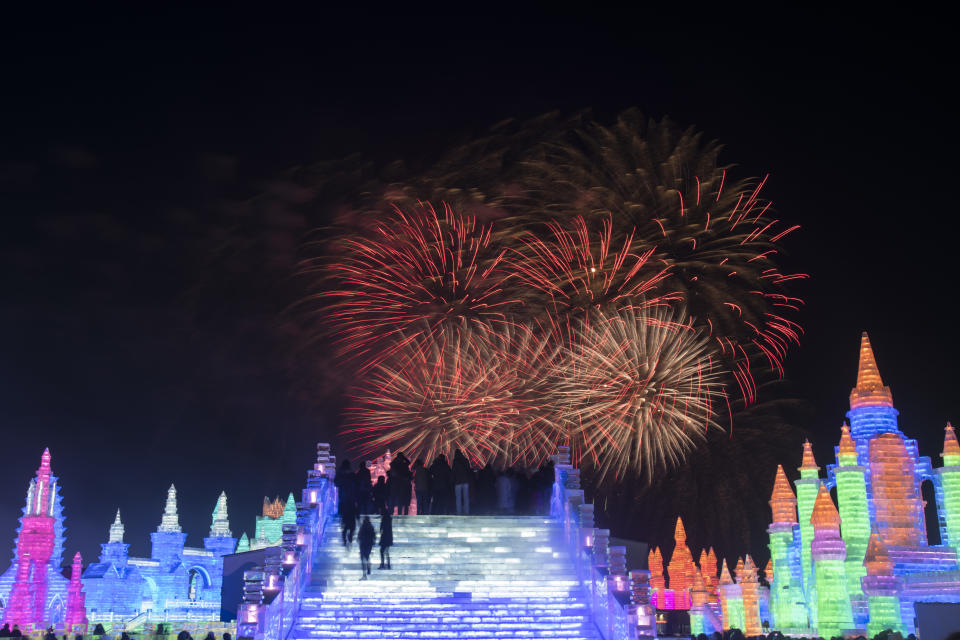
(829, 553)
(33, 588)
(948, 490)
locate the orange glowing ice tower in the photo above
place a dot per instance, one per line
(658, 583)
(681, 568)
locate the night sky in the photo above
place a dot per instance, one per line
(143, 333)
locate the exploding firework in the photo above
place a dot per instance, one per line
(413, 275)
(571, 271)
(641, 391)
(666, 194)
(486, 392)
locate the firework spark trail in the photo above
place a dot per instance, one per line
(641, 390)
(414, 274)
(714, 238)
(486, 392)
(572, 270)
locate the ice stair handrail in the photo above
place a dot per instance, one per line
(272, 593)
(620, 606)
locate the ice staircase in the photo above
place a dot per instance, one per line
(478, 577)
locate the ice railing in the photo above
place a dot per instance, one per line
(620, 604)
(272, 593)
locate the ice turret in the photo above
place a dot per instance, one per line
(76, 615)
(881, 588)
(834, 612)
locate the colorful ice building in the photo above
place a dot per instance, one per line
(857, 566)
(268, 531)
(176, 583)
(34, 594)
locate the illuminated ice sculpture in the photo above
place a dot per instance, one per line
(854, 569)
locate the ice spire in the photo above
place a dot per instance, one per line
(783, 502)
(869, 390)
(220, 525)
(847, 449)
(170, 521)
(116, 529)
(808, 466)
(951, 449)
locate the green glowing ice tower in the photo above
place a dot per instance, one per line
(854, 512)
(829, 553)
(807, 487)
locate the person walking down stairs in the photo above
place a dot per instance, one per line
(386, 539)
(365, 540)
(346, 492)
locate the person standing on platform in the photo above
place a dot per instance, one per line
(462, 477)
(364, 490)
(365, 539)
(400, 482)
(421, 484)
(386, 539)
(345, 482)
(380, 494)
(441, 486)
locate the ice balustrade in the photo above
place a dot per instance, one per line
(272, 594)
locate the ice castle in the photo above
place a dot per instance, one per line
(176, 582)
(858, 568)
(268, 529)
(33, 592)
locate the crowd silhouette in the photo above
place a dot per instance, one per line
(440, 488)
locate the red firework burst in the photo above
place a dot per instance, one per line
(413, 275)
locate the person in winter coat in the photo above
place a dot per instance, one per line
(441, 485)
(379, 495)
(364, 490)
(365, 540)
(386, 539)
(400, 480)
(421, 484)
(462, 477)
(347, 498)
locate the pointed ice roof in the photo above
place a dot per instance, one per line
(170, 522)
(869, 391)
(289, 511)
(725, 574)
(44, 462)
(679, 533)
(768, 570)
(220, 525)
(877, 559)
(116, 529)
(847, 446)
(748, 572)
(951, 450)
(243, 544)
(783, 502)
(825, 516)
(808, 462)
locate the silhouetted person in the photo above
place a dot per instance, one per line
(441, 485)
(379, 494)
(400, 479)
(505, 492)
(462, 477)
(386, 539)
(364, 490)
(365, 539)
(227, 636)
(98, 631)
(5, 630)
(50, 635)
(421, 484)
(486, 489)
(210, 636)
(346, 494)
(184, 635)
(16, 632)
(123, 636)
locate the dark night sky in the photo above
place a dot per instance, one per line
(143, 347)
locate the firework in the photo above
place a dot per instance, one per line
(412, 275)
(641, 390)
(665, 192)
(486, 392)
(572, 270)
